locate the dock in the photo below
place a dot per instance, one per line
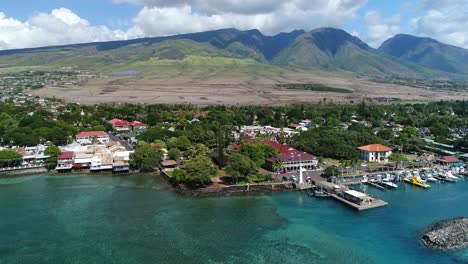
(375, 185)
(376, 203)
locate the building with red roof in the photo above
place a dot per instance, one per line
(290, 158)
(87, 137)
(124, 126)
(375, 153)
(65, 161)
(449, 161)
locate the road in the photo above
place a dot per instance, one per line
(124, 143)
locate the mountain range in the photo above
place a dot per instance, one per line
(325, 49)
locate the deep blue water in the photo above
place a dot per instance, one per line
(138, 219)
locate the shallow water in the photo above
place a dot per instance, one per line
(138, 219)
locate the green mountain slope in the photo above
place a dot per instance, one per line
(427, 52)
(322, 49)
(334, 49)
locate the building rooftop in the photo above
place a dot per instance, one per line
(449, 159)
(66, 155)
(92, 134)
(375, 148)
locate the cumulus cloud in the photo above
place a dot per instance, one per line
(379, 28)
(168, 17)
(160, 17)
(61, 26)
(444, 20)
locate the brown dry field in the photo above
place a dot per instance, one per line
(236, 89)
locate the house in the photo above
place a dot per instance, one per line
(292, 160)
(374, 153)
(102, 161)
(121, 161)
(123, 126)
(87, 138)
(83, 160)
(65, 161)
(450, 161)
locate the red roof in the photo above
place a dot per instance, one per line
(280, 147)
(449, 159)
(292, 155)
(66, 155)
(113, 121)
(137, 124)
(375, 148)
(92, 134)
(123, 123)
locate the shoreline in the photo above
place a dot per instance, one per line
(254, 189)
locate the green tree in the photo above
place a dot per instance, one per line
(146, 157)
(199, 171)
(240, 166)
(9, 158)
(174, 154)
(258, 152)
(441, 131)
(331, 171)
(183, 143)
(52, 152)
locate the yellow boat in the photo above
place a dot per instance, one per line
(417, 181)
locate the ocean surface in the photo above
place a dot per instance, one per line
(139, 219)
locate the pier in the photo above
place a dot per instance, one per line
(376, 203)
(376, 186)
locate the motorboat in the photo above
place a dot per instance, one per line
(388, 184)
(415, 180)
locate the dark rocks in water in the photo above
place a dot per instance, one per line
(447, 234)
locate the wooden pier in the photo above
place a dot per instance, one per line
(375, 185)
(376, 203)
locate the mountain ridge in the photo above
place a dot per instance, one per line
(328, 49)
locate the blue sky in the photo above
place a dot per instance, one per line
(30, 23)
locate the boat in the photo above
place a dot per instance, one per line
(443, 177)
(387, 184)
(415, 180)
(320, 193)
(451, 176)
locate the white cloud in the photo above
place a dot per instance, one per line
(168, 17)
(61, 26)
(379, 28)
(444, 20)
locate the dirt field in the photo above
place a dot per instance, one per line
(236, 88)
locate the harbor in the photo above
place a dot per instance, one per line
(352, 191)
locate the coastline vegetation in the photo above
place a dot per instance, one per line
(204, 135)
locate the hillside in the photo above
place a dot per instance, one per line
(427, 52)
(324, 49)
(334, 50)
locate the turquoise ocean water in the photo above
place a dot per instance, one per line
(138, 219)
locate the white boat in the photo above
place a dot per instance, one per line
(451, 176)
(431, 179)
(388, 185)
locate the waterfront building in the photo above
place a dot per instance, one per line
(449, 161)
(292, 160)
(374, 153)
(65, 161)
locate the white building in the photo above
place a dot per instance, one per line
(375, 153)
(87, 138)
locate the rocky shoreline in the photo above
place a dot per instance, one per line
(447, 234)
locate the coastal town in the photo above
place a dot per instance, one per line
(205, 150)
